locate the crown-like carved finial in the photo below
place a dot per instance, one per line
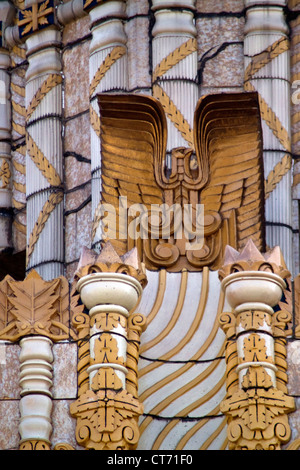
(110, 261)
(251, 259)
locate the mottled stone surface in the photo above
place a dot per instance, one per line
(293, 358)
(65, 371)
(76, 66)
(137, 7)
(219, 6)
(77, 233)
(9, 371)
(77, 142)
(10, 416)
(76, 30)
(138, 53)
(63, 424)
(220, 52)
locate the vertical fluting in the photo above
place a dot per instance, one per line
(174, 55)
(5, 152)
(267, 67)
(44, 167)
(108, 73)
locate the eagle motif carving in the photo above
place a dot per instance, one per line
(223, 174)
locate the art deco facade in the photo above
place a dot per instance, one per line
(112, 112)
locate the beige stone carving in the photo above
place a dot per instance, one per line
(257, 402)
(107, 416)
(34, 306)
(232, 213)
(107, 409)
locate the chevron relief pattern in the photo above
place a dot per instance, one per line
(182, 366)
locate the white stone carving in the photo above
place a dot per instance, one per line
(109, 293)
(36, 381)
(254, 291)
(266, 24)
(44, 127)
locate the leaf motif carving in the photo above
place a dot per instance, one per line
(34, 301)
(35, 306)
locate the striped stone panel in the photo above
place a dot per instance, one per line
(182, 365)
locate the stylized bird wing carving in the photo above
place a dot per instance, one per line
(228, 143)
(228, 173)
(133, 148)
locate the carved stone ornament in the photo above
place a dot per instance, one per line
(135, 180)
(36, 17)
(107, 416)
(107, 409)
(110, 261)
(34, 307)
(257, 402)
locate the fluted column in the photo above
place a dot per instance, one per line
(267, 70)
(107, 412)
(36, 359)
(174, 56)
(5, 151)
(44, 163)
(108, 73)
(6, 18)
(256, 403)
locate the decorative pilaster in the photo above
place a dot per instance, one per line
(174, 55)
(267, 70)
(107, 411)
(108, 73)
(257, 403)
